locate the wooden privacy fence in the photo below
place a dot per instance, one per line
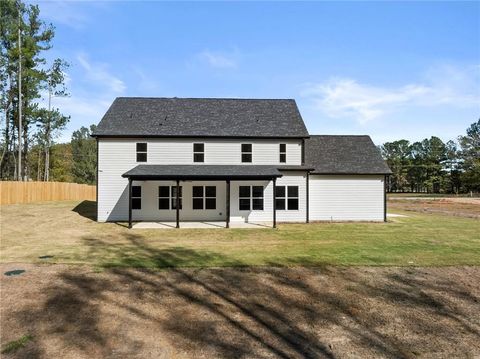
(25, 192)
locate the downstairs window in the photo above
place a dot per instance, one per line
(286, 198)
(250, 198)
(167, 197)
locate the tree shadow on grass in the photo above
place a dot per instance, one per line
(87, 209)
(147, 301)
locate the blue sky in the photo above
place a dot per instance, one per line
(392, 70)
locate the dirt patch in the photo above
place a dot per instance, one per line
(462, 207)
(330, 312)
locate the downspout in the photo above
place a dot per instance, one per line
(274, 203)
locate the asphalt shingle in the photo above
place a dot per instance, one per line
(344, 155)
(212, 172)
(204, 117)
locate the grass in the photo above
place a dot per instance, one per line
(67, 231)
(14, 345)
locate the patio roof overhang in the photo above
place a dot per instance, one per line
(208, 173)
(203, 172)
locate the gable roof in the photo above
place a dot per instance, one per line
(201, 117)
(344, 155)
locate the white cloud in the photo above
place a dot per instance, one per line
(74, 14)
(219, 60)
(441, 86)
(99, 74)
(62, 12)
(92, 87)
(146, 83)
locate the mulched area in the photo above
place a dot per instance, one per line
(461, 207)
(332, 312)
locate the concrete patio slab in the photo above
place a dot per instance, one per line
(395, 215)
(200, 225)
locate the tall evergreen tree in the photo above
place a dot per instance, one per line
(84, 154)
(21, 25)
(470, 156)
(398, 157)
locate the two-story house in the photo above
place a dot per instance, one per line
(189, 159)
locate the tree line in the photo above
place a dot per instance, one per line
(75, 161)
(29, 85)
(433, 166)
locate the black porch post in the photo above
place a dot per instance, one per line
(228, 204)
(307, 200)
(177, 201)
(274, 203)
(129, 203)
(385, 198)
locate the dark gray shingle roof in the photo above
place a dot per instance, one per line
(205, 117)
(188, 172)
(344, 155)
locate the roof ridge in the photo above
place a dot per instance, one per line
(339, 135)
(204, 98)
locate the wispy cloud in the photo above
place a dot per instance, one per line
(74, 14)
(146, 82)
(100, 75)
(92, 86)
(440, 86)
(220, 59)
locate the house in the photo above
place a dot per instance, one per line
(244, 160)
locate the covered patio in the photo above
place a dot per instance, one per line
(179, 173)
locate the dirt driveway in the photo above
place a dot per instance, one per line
(75, 312)
(453, 206)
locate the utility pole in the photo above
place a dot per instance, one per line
(19, 172)
(47, 137)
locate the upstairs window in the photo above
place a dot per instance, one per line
(283, 153)
(167, 197)
(204, 197)
(286, 198)
(198, 152)
(250, 198)
(142, 152)
(246, 152)
(136, 197)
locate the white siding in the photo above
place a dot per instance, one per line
(117, 156)
(217, 151)
(294, 179)
(114, 159)
(346, 197)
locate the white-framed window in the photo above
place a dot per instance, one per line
(198, 152)
(141, 152)
(283, 152)
(204, 197)
(250, 198)
(167, 197)
(136, 197)
(286, 198)
(246, 152)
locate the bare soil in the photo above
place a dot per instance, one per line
(462, 207)
(262, 312)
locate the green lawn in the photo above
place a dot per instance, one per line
(66, 231)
